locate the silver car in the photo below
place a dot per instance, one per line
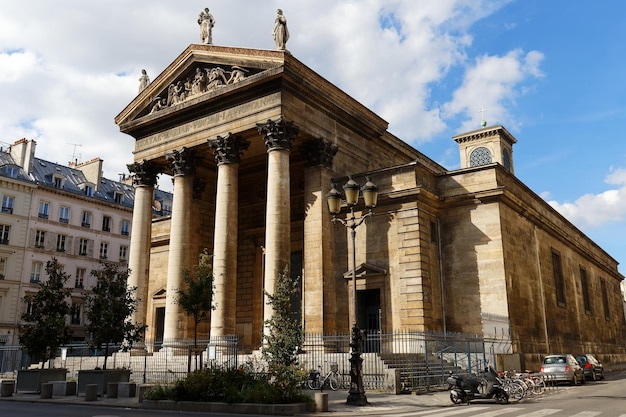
(562, 368)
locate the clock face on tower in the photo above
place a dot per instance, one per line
(480, 156)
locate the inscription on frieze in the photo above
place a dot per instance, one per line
(204, 123)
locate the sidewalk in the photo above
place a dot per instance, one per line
(380, 403)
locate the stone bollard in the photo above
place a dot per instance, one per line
(126, 389)
(7, 388)
(91, 392)
(112, 389)
(46, 390)
(321, 402)
(141, 391)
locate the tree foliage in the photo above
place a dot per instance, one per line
(284, 338)
(108, 309)
(196, 298)
(46, 317)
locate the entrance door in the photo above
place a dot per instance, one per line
(370, 318)
(159, 328)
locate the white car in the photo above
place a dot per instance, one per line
(562, 368)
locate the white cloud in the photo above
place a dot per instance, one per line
(596, 210)
(493, 82)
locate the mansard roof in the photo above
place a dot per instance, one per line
(74, 181)
(9, 168)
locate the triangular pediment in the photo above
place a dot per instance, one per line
(365, 270)
(200, 73)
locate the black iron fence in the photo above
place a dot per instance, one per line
(422, 360)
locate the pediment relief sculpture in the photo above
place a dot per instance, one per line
(204, 80)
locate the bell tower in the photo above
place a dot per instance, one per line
(486, 145)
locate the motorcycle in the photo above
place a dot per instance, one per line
(465, 390)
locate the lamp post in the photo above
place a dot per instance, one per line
(356, 395)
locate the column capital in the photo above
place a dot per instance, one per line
(144, 173)
(318, 152)
(183, 162)
(228, 149)
(278, 134)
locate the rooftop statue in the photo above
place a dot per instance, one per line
(206, 22)
(144, 80)
(280, 32)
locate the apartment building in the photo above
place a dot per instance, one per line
(69, 212)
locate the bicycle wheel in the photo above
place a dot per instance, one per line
(334, 382)
(312, 383)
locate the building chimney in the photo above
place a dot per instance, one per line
(23, 152)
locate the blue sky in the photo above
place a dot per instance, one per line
(550, 71)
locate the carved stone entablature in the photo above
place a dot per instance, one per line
(183, 162)
(203, 80)
(278, 134)
(318, 152)
(228, 149)
(144, 173)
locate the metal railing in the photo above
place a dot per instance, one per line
(423, 360)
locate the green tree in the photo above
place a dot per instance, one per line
(46, 316)
(196, 298)
(108, 309)
(284, 338)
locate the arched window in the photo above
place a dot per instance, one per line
(480, 156)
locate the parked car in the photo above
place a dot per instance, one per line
(592, 368)
(563, 368)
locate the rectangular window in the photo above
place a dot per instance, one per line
(584, 285)
(3, 267)
(123, 253)
(61, 243)
(44, 210)
(104, 250)
(89, 190)
(40, 239)
(559, 283)
(77, 313)
(7, 204)
(35, 274)
(605, 300)
(86, 219)
(106, 224)
(125, 227)
(80, 278)
(119, 197)
(5, 231)
(83, 245)
(57, 182)
(64, 214)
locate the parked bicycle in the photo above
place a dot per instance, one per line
(332, 378)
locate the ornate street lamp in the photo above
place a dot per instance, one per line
(356, 395)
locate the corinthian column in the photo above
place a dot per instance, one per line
(320, 299)
(228, 151)
(145, 175)
(183, 167)
(278, 137)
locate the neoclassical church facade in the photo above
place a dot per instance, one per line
(254, 140)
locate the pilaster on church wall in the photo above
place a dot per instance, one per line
(320, 297)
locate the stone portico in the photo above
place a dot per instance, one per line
(253, 139)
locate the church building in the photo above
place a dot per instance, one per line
(255, 140)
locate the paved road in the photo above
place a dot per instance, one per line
(594, 399)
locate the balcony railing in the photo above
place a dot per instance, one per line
(42, 215)
(62, 220)
(4, 241)
(85, 224)
(8, 210)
